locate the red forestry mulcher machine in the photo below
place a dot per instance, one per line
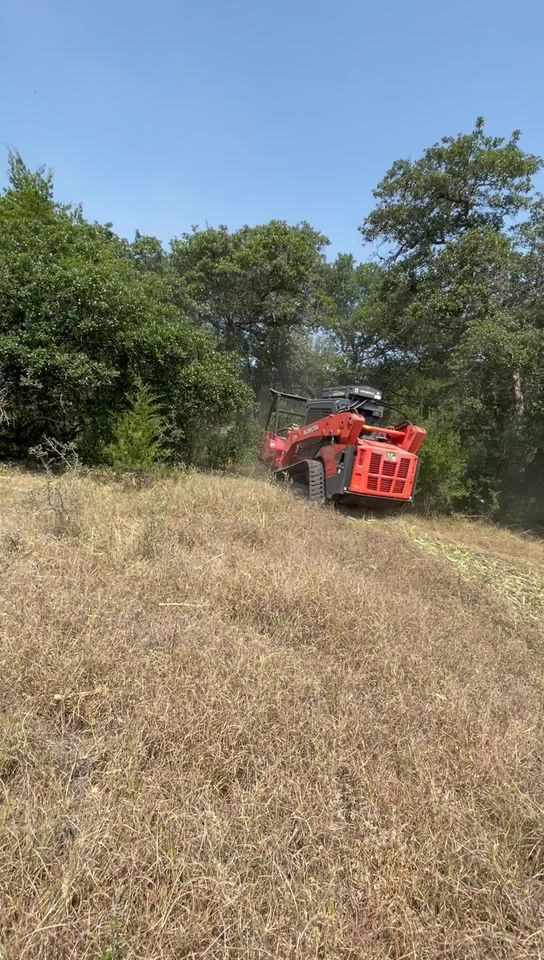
(339, 451)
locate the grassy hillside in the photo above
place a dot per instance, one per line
(235, 725)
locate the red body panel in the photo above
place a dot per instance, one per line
(380, 468)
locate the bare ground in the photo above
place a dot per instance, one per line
(238, 726)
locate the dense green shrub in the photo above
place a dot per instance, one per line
(442, 482)
(80, 321)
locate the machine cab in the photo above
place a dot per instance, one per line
(363, 400)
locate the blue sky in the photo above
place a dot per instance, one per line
(161, 115)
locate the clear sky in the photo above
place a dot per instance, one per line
(161, 115)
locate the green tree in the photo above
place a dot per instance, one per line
(252, 288)
(354, 320)
(456, 295)
(148, 253)
(80, 321)
(138, 433)
(471, 181)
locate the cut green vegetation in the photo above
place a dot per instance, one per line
(518, 584)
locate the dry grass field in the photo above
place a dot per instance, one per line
(235, 725)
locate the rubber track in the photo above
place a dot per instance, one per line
(316, 481)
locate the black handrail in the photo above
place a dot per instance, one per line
(288, 396)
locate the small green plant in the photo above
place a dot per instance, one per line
(115, 948)
(138, 434)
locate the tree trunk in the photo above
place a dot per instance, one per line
(519, 402)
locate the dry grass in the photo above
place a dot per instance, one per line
(236, 726)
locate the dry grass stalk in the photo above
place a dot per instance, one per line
(61, 492)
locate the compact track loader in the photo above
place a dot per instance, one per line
(338, 450)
